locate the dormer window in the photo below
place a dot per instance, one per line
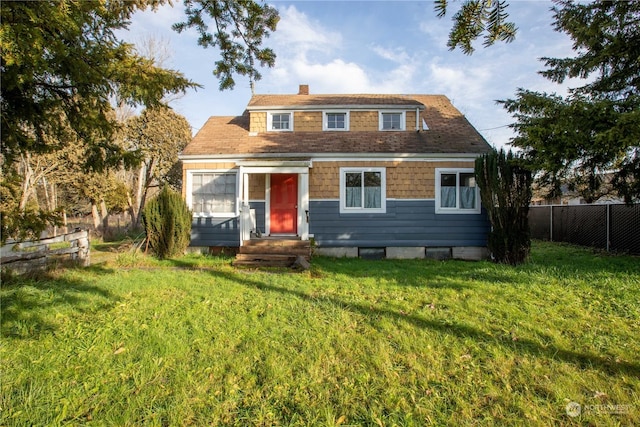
(392, 120)
(280, 121)
(335, 121)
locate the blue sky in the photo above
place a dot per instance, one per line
(371, 47)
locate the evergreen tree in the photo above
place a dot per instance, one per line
(63, 67)
(505, 190)
(167, 222)
(590, 139)
(476, 18)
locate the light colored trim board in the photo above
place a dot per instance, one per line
(457, 210)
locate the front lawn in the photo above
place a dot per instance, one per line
(195, 341)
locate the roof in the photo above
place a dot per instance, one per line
(449, 131)
(262, 102)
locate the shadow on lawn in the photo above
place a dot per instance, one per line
(457, 329)
(27, 301)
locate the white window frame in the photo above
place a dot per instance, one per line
(325, 121)
(403, 120)
(189, 193)
(343, 192)
(457, 209)
(270, 115)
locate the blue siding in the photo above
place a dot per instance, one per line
(222, 231)
(215, 232)
(406, 223)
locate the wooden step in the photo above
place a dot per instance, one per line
(275, 250)
(289, 243)
(264, 260)
(272, 251)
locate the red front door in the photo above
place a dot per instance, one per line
(284, 204)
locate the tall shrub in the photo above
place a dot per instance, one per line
(505, 190)
(167, 222)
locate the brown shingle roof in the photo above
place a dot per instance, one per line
(449, 132)
(292, 101)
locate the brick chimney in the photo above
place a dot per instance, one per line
(303, 90)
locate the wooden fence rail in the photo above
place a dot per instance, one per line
(28, 255)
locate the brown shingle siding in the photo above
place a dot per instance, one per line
(307, 121)
(258, 122)
(405, 180)
(363, 121)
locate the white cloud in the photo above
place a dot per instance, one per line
(466, 86)
(397, 55)
(297, 33)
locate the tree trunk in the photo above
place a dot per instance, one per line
(104, 214)
(145, 188)
(132, 211)
(27, 186)
(139, 201)
(95, 215)
(65, 226)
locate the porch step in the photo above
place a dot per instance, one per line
(301, 248)
(264, 260)
(272, 252)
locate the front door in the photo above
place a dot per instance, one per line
(284, 204)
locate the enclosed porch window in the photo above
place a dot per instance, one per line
(213, 193)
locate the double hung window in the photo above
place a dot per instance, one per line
(456, 191)
(362, 190)
(335, 121)
(281, 121)
(391, 120)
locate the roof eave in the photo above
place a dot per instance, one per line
(352, 107)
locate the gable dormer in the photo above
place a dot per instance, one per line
(304, 112)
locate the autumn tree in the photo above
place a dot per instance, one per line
(590, 139)
(157, 135)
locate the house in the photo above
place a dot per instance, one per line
(360, 175)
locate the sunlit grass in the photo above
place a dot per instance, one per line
(195, 341)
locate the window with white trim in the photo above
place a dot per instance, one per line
(457, 191)
(280, 121)
(363, 190)
(391, 120)
(335, 121)
(213, 193)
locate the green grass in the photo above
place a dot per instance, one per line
(194, 341)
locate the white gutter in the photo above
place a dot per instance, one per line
(249, 158)
(335, 107)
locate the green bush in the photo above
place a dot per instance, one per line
(167, 222)
(505, 190)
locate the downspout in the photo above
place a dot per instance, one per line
(417, 119)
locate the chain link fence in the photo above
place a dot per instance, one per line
(614, 228)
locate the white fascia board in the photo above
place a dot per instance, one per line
(416, 157)
(199, 158)
(349, 107)
(274, 163)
